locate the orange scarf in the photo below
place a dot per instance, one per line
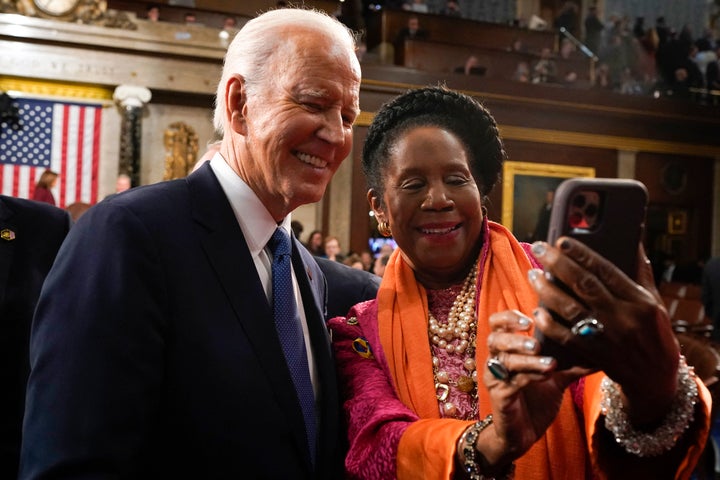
(427, 447)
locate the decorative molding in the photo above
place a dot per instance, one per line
(364, 119)
(52, 63)
(54, 89)
(609, 142)
(88, 12)
(588, 107)
(173, 40)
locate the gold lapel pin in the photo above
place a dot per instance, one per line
(7, 234)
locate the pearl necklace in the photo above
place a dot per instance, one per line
(457, 337)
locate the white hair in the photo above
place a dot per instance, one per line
(250, 51)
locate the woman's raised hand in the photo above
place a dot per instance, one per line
(617, 325)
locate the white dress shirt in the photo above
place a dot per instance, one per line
(258, 226)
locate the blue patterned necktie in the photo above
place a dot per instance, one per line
(287, 322)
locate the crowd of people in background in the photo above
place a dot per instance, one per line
(153, 14)
(328, 246)
(631, 56)
(638, 59)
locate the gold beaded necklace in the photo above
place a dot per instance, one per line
(457, 337)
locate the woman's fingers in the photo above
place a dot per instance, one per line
(556, 298)
(509, 321)
(512, 354)
(595, 282)
(582, 269)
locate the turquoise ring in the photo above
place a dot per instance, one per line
(588, 327)
(498, 369)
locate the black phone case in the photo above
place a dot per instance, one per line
(607, 215)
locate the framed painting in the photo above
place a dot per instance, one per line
(526, 189)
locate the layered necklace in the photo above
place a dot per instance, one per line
(457, 337)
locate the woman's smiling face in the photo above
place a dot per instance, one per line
(432, 204)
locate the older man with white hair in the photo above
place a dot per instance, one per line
(164, 344)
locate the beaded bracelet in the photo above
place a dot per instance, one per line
(649, 444)
(467, 451)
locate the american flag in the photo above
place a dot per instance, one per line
(64, 137)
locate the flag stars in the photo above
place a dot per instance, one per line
(30, 143)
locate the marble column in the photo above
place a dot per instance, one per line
(131, 99)
(626, 163)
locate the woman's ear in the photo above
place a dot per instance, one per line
(376, 204)
(236, 104)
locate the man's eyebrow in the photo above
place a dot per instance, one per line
(315, 92)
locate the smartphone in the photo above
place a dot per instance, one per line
(607, 215)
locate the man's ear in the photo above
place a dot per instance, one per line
(235, 104)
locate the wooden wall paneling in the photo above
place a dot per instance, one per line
(696, 185)
(444, 57)
(602, 160)
(678, 184)
(360, 221)
(529, 109)
(467, 32)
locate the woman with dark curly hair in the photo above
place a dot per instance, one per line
(441, 375)
(315, 243)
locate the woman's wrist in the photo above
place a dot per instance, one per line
(665, 435)
(648, 402)
(472, 462)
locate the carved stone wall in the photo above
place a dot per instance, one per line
(181, 150)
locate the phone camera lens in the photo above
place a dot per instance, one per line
(591, 210)
(579, 201)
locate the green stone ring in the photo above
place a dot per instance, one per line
(498, 369)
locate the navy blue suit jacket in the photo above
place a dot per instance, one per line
(154, 352)
(30, 235)
(346, 286)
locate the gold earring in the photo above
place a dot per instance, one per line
(384, 229)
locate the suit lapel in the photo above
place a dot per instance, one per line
(8, 229)
(312, 286)
(229, 256)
